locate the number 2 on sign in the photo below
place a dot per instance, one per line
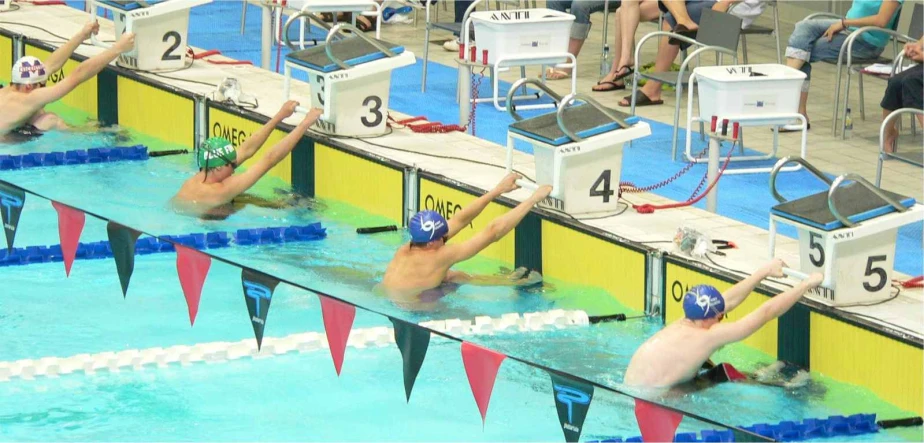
(168, 54)
(606, 192)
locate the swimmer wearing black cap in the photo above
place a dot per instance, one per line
(22, 106)
(211, 192)
(676, 354)
(419, 274)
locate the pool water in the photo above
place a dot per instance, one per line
(293, 398)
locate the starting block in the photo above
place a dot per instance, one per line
(5, 5)
(352, 87)
(578, 150)
(160, 27)
(847, 233)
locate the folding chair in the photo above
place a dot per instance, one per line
(717, 33)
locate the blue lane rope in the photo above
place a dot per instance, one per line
(150, 245)
(74, 157)
(810, 428)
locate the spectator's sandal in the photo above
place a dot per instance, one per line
(682, 30)
(643, 100)
(611, 86)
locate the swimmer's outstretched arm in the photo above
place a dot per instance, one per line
(725, 333)
(237, 184)
(496, 230)
(258, 138)
(57, 59)
(83, 72)
(464, 217)
(734, 296)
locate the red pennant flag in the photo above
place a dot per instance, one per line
(656, 423)
(70, 226)
(338, 320)
(192, 267)
(481, 367)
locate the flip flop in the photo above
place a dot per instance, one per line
(615, 87)
(629, 71)
(562, 74)
(644, 100)
(684, 31)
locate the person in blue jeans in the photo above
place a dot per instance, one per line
(580, 29)
(822, 39)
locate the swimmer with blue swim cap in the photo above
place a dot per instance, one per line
(209, 193)
(420, 272)
(676, 354)
(22, 105)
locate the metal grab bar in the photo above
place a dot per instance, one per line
(311, 17)
(882, 154)
(860, 180)
(511, 107)
(358, 34)
(793, 159)
(569, 99)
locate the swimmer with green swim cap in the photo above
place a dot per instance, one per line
(22, 105)
(209, 193)
(676, 354)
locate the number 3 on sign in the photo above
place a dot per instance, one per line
(374, 105)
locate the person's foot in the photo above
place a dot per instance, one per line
(452, 45)
(611, 82)
(685, 29)
(557, 74)
(643, 99)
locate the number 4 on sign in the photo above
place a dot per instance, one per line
(606, 192)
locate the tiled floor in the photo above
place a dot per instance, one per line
(858, 154)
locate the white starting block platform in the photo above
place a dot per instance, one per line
(160, 27)
(350, 80)
(751, 95)
(5, 5)
(847, 233)
(578, 150)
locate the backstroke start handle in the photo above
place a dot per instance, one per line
(799, 275)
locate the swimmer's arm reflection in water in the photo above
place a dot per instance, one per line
(420, 271)
(215, 185)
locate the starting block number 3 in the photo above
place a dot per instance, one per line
(860, 270)
(371, 107)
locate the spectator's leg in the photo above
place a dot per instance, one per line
(905, 90)
(460, 7)
(678, 10)
(629, 18)
(805, 39)
(649, 11)
(663, 61)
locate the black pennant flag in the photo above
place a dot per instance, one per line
(413, 342)
(258, 292)
(572, 399)
(11, 202)
(122, 240)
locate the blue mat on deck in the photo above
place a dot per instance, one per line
(745, 198)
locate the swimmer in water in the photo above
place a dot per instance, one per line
(420, 271)
(676, 354)
(212, 191)
(22, 106)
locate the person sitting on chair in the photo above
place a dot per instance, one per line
(214, 190)
(580, 29)
(420, 271)
(905, 90)
(676, 354)
(22, 106)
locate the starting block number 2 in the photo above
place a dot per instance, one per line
(177, 40)
(861, 269)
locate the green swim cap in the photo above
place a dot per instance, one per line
(215, 153)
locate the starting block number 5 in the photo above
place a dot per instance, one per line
(859, 271)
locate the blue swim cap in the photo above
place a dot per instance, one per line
(427, 226)
(703, 302)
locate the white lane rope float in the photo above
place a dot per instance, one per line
(218, 352)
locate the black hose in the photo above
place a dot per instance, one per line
(594, 319)
(900, 422)
(166, 153)
(376, 229)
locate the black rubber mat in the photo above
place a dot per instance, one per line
(584, 120)
(353, 51)
(854, 201)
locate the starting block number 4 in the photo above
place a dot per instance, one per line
(856, 270)
(585, 184)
